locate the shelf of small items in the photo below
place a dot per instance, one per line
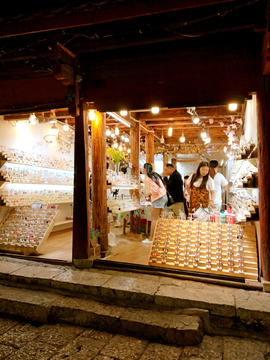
(225, 249)
(26, 229)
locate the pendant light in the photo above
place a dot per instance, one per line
(120, 147)
(123, 112)
(155, 110)
(203, 133)
(66, 127)
(54, 130)
(170, 131)
(195, 119)
(108, 132)
(116, 131)
(32, 119)
(182, 138)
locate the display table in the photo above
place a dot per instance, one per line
(223, 249)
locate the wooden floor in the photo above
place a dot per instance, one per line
(59, 246)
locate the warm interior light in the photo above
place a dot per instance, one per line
(92, 115)
(203, 134)
(207, 140)
(155, 110)
(115, 145)
(108, 132)
(122, 137)
(66, 127)
(182, 138)
(32, 119)
(120, 147)
(53, 119)
(128, 150)
(123, 112)
(116, 131)
(126, 139)
(232, 107)
(195, 119)
(54, 130)
(222, 161)
(113, 135)
(170, 131)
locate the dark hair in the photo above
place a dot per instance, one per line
(152, 175)
(186, 177)
(169, 165)
(213, 164)
(197, 175)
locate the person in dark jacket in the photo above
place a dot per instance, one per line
(174, 183)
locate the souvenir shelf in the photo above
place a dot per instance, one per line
(25, 230)
(244, 192)
(224, 249)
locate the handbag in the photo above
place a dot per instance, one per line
(170, 199)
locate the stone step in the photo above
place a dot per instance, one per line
(166, 327)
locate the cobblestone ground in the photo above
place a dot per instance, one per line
(25, 341)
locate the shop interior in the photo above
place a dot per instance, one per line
(37, 171)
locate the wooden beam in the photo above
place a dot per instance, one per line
(104, 14)
(266, 54)
(264, 173)
(81, 211)
(99, 203)
(65, 73)
(63, 55)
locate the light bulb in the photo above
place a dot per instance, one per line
(54, 130)
(207, 140)
(182, 138)
(32, 119)
(128, 150)
(123, 112)
(92, 115)
(155, 110)
(113, 135)
(232, 107)
(116, 131)
(115, 145)
(203, 134)
(108, 132)
(170, 131)
(126, 139)
(66, 127)
(196, 120)
(120, 147)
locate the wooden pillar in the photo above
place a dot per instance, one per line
(165, 159)
(264, 174)
(81, 211)
(135, 159)
(174, 163)
(150, 151)
(99, 187)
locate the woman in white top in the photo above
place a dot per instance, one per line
(201, 188)
(220, 183)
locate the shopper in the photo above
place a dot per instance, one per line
(174, 183)
(157, 192)
(186, 195)
(220, 183)
(201, 188)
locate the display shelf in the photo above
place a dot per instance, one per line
(222, 249)
(25, 230)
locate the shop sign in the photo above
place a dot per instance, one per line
(70, 97)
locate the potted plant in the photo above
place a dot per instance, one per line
(94, 235)
(116, 156)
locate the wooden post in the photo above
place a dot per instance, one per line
(99, 198)
(81, 225)
(135, 159)
(165, 159)
(174, 163)
(264, 174)
(150, 148)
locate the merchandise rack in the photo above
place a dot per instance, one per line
(175, 243)
(24, 246)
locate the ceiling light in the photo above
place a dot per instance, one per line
(170, 131)
(203, 134)
(123, 112)
(113, 135)
(155, 110)
(126, 139)
(54, 130)
(92, 115)
(207, 139)
(128, 150)
(32, 119)
(115, 145)
(116, 131)
(182, 138)
(122, 137)
(232, 107)
(53, 119)
(66, 127)
(108, 132)
(120, 147)
(195, 119)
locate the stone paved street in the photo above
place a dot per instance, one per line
(24, 341)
